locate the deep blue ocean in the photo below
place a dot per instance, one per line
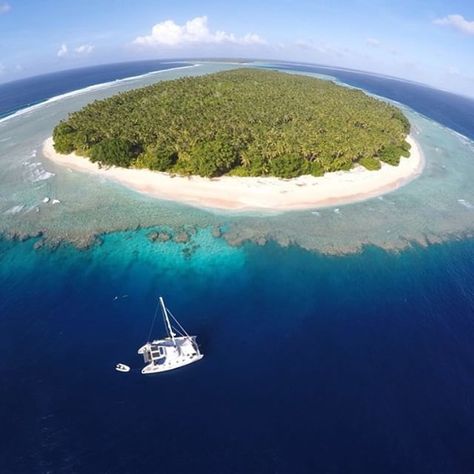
(34, 90)
(453, 111)
(313, 363)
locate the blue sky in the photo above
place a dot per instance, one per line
(431, 41)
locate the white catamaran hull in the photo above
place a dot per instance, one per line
(153, 369)
(168, 354)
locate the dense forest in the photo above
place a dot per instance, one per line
(244, 122)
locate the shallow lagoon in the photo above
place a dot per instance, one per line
(313, 363)
(437, 206)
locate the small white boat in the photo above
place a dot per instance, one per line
(176, 350)
(122, 368)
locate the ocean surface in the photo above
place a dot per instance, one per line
(34, 90)
(453, 111)
(312, 363)
(362, 362)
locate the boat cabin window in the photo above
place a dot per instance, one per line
(157, 352)
(157, 349)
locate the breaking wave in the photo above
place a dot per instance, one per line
(84, 90)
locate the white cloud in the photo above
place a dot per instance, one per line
(84, 49)
(457, 22)
(4, 7)
(62, 51)
(168, 33)
(251, 38)
(372, 42)
(81, 50)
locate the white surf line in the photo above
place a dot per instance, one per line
(102, 85)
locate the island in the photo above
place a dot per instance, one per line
(245, 138)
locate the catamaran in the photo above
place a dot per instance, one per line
(176, 350)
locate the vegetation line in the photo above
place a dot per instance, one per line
(244, 122)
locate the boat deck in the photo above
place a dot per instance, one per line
(162, 355)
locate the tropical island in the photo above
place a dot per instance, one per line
(245, 139)
(244, 122)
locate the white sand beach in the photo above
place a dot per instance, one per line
(235, 193)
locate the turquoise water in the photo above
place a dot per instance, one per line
(437, 206)
(313, 362)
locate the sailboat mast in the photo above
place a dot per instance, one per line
(167, 320)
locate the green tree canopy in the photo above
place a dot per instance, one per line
(112, 151)
(246, 122)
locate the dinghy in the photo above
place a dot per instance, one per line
(122, 368)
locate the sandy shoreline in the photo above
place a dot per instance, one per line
(235, 193)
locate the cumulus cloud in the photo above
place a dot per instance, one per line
(168, 33)
(4, 7)
(81, 50)
(457, 22)
(62, 51)
(84, 49)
